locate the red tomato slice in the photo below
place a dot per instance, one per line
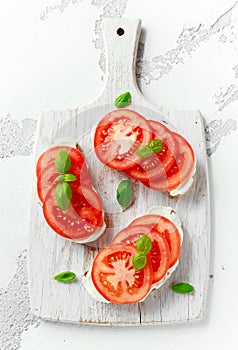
(118, 136)
(48, 175)
(166, 229)
(159, 255)
(48, 157)
(46, 180)
(115, 278)
(179, 172)
(158, 163)
(82, 218)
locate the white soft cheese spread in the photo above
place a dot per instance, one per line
(88, 284)
(168, 213)
(184, 186)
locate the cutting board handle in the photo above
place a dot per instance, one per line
(121, 37)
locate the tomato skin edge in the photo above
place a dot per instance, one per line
(93, 206)
(61, 232)
(172, 182)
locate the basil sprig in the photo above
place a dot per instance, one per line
(63, 192)
(65, 277)
(122, 100)
(143, 246)
(182, 288)
(125, 194)
(145, 151)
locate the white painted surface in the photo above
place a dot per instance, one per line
(49, 253)
(32, 81)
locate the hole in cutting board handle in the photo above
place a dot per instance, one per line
(120, 31)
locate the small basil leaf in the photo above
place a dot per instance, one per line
(144, 151)
(62, 161)
(156, 145)
(139, 261)
(66, 178)
(125, 194)
(60, 178)
(65, 277)
(144, 244)
(182, 288)
(69, 177)
(122, 100)
(63, 195)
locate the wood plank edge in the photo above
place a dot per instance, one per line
(197, 318)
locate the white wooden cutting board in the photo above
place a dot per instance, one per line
(50, 254)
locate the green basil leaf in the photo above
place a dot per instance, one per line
(69, 177)
(144, 151)
(65, 277)
(139, 261)
(182, 288)
(144, 244)
(156, 145)
(125, 194)
(122, 100)
(66, 178)
(60, 178)
(63, 195)
(62, 161)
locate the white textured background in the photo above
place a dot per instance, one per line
(51, 57)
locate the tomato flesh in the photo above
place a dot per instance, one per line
(158, 163)
(115, 278)
(166, 229)
(82, 218)
(159, 254)
(45, 181)
(118, 136)
(48, 175)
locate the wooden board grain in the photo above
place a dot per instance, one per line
(50, 254)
